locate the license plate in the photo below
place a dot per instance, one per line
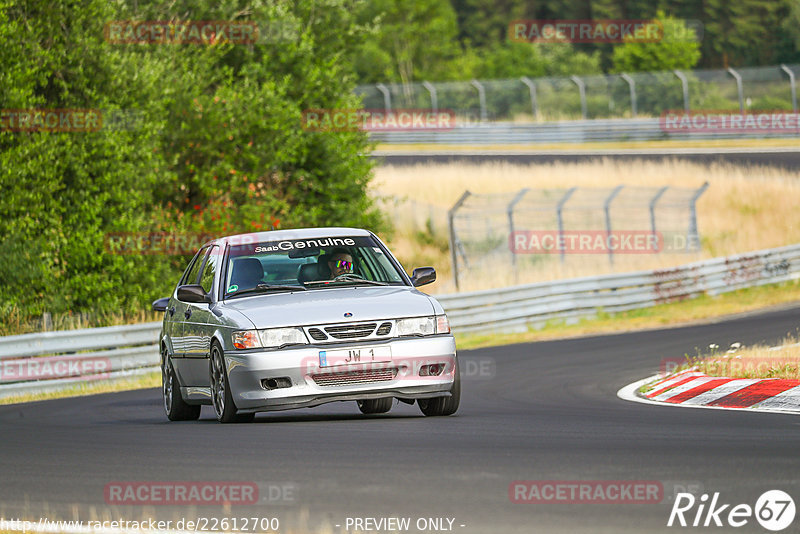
(329, 358)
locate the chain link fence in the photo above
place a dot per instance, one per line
(647, 94)
(526, 228)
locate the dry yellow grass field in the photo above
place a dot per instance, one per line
(744, 209)
(757, 361)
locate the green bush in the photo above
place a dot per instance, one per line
(219, 147)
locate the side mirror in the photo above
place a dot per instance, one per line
(193, 293)
(423, 275)
(160, 305)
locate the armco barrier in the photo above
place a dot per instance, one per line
(568, 131)
(131, 350)
(514, 308)
(123, 350)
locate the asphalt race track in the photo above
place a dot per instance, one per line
(542, 411)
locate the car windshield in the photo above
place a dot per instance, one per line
(310, 263)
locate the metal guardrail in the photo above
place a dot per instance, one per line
(576, 131)
(52, 361)
(132, 350)
(515, 308)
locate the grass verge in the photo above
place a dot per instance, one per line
(758, 361)
(738, 361)
(671, 314)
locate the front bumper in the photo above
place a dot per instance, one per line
(310, 384)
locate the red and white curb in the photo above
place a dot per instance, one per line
(692, 389)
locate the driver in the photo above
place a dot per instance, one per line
(340, 262)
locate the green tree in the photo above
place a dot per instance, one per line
(62, 192)
(484, 23)
(412, 40)
(512, 60)
(743, 32)
(219, 148)
(676, 50)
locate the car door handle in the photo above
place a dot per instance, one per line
(172, 311)
(187, 313)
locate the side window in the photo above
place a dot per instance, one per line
(212, 264)
(191, 275)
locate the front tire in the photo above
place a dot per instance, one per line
(439, 406)
(373, 406)
(221, 396)
(174, 405)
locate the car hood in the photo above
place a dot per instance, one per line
(321, 306)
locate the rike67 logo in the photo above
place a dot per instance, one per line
(774, 510)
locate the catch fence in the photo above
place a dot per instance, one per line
(527, 227)
(625, 95)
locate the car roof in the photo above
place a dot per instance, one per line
(295, 233)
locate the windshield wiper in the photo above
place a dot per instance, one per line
(346, 278)
(267, 287)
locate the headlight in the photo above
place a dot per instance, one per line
(416, 326)
(268, 338)
(277, 337)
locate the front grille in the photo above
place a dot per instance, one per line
(355, 377)
(384, 329)
(317, 334)
(351, 331)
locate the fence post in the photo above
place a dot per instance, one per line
(510, 211)
(559, 209)
(453, 238)
(434, 99)
(387, 97)
(607, 209)
(534, 102)
(793, 85)
(582, 91)
(632, 85)
(693, 236)
(685, 84)
(739, 88)
(481, 98)
(653, 202)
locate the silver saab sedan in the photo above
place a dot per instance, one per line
(298, 318)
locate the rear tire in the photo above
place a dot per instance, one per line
(221, 396)
(372, 406)
(439, 406)
(174, 405)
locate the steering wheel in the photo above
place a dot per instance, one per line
(346, 276)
